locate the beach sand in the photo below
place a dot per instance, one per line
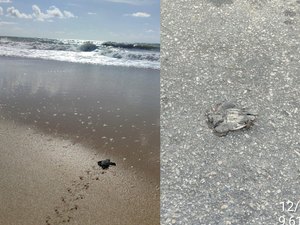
(57, 120)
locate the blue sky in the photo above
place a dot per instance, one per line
(105, 20)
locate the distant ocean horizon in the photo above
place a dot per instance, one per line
(139, 55)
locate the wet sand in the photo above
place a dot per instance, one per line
(57, 120)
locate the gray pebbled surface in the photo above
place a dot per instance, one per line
(247, 51)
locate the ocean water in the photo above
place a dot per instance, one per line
(140, 55)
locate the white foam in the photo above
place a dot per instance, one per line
(76, 57)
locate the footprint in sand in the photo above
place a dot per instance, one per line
(75, 192)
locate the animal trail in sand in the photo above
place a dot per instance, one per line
(70, 201)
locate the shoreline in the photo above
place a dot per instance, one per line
(81, 63)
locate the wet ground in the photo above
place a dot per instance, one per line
(112, 109)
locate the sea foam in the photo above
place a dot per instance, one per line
(82, 51)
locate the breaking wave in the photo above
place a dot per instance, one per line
(140, 55)
(141, 46)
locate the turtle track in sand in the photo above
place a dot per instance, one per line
(70, 201)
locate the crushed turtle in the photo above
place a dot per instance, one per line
(106, 163)
(226, 116)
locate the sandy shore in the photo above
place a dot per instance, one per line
(57, 120)
(47, 180)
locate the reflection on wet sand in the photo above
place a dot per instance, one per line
(113, 109)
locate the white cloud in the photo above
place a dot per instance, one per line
(68, 14)
(139, 14)
(1, 11)
(38, 14)
(149, 31)
(52, 12)
(92, 13)
(55, 12)
(12, 11)
(5, 1)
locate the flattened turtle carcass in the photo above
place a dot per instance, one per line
(225, 117)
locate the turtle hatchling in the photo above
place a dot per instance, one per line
(226, 116)
(106, 163)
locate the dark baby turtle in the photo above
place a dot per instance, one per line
(225, 117)
(106, 163)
